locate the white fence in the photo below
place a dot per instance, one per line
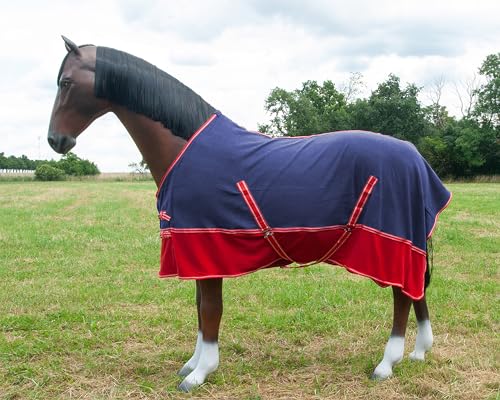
(17, 171)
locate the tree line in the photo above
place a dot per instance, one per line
(69, 164)
(23, 162)
(455, 147)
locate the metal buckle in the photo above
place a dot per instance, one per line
(348, 228)
(267, 232)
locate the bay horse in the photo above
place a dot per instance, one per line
(177, 131)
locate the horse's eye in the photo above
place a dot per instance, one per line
(64, 84)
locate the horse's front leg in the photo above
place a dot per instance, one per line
(193, 361)
(423, 342)
(210, 316)
(394, 349)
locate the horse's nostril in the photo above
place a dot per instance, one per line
(61, 143)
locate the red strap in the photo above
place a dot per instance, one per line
(252, 205)
(268, 233)
(261, 222)
(356, 213)
(363, 198)
(164, 216)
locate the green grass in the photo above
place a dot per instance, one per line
(83, 314)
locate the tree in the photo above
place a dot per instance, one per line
(436, 113)
(467, 95)
(486, 137)
(353, 88)
(454, 147)
(312, 109)
(436, 151)
(140, 167)
(487, 109)
(71, 164)
(392, 110)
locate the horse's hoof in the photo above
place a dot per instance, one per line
(185, 371)
(417, 355)
(377, 377)
(381, 373)
(186, 386)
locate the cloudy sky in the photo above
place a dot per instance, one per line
(232, 53)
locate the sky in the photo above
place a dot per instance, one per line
(233, 53)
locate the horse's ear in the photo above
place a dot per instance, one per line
(70, 46)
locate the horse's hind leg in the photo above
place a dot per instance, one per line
(394, 349)
(210, 316)
(424, 338)
(193, 361)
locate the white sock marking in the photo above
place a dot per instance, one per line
(393, 354)
(207, 363)
(193, 361)
(424, 340)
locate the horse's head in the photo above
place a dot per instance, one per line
(76, 105)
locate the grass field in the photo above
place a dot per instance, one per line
(84, 316)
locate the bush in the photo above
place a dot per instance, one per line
(46, 172)
(73, 165)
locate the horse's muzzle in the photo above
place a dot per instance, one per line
(61, 143)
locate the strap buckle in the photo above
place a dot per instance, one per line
(267, 232)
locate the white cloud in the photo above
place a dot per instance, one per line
(232, 53)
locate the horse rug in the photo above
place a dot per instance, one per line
(236, 201)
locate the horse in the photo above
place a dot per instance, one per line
(177, 131)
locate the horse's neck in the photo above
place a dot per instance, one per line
(157, 144)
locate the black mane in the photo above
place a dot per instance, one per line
(143, 88)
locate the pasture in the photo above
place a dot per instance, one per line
(84, 316)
